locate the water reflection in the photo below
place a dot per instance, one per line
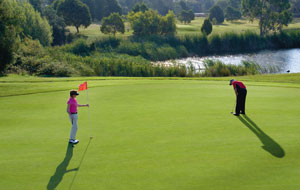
(280, 60)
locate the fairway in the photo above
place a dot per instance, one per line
(150, 134)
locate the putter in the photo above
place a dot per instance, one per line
(232, 109)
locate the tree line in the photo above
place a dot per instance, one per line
(46, 20)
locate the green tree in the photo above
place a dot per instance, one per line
(183, 5)
(37, 5)
(162, 6)
(92, 6)
(206, 27)
(186, 16)
(151, 23)
(144, 24)
(112, 24)
(98, 9)
(58, 26)
(232, 13)
(223, 4)
(112, 6)
(168, 24)
(75, 13)
(217, 13)
(55, 4)
(296, 7)
(34, 25)
(140, 7)
(10, 18)
(272, 14)
(235, 3)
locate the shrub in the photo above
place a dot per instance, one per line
(56, 69)
(232, 14)
(130, 48)
(166, 52)
(217, 13)
(206, 27)
(79, 47)
(105, 44)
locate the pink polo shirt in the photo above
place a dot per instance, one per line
(73, 105)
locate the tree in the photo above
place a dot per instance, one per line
(296, 7)
(75, 13)
(112, 6)
(112, 24)
(235, 3)
(232, 14)
(272, 14)
(10, 18)
(183, 5)
(206, 27)
(37, 5)
(223, 4)
(186, 16)
(58, 26)
(151, 23)
(144, 24)
(55, 4)
(162, 6)
(168, 24)
(140, 7)
(217, 13)
(92, 6)
(34, 25)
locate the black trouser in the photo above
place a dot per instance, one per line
(240, 101)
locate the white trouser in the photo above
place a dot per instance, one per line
(73, 119)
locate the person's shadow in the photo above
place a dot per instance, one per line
(269, 144)
(61, 169)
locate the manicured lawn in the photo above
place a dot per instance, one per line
(93, 31)
(150, 133)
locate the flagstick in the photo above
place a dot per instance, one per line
(87, 99)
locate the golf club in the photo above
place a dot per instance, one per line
(232, 108)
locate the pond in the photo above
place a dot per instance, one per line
(276, 61)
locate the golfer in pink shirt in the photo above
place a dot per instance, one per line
(72, 111)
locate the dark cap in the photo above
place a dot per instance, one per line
(74, 92)
(231, 81)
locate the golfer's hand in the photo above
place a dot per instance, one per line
(87, 105)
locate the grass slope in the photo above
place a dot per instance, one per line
(150, 134)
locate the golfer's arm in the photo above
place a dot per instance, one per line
(68, 109)
(236, 92)
(80, 105)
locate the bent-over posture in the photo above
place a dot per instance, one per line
(241, 93)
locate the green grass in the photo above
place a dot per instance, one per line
(150, 133)
(93, 31)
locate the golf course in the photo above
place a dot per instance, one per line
(150, 134)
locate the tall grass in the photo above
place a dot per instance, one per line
(219, 69)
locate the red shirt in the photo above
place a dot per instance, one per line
(240, 84)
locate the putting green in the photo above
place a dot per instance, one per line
(149, 134)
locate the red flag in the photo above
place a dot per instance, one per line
(83, 86)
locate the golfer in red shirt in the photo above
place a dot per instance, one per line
(72, 111)
(241, 93)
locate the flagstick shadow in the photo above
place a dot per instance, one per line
(269, 144)
(61, 169)
(82, 158)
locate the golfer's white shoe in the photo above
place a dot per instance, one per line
(73, 141)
